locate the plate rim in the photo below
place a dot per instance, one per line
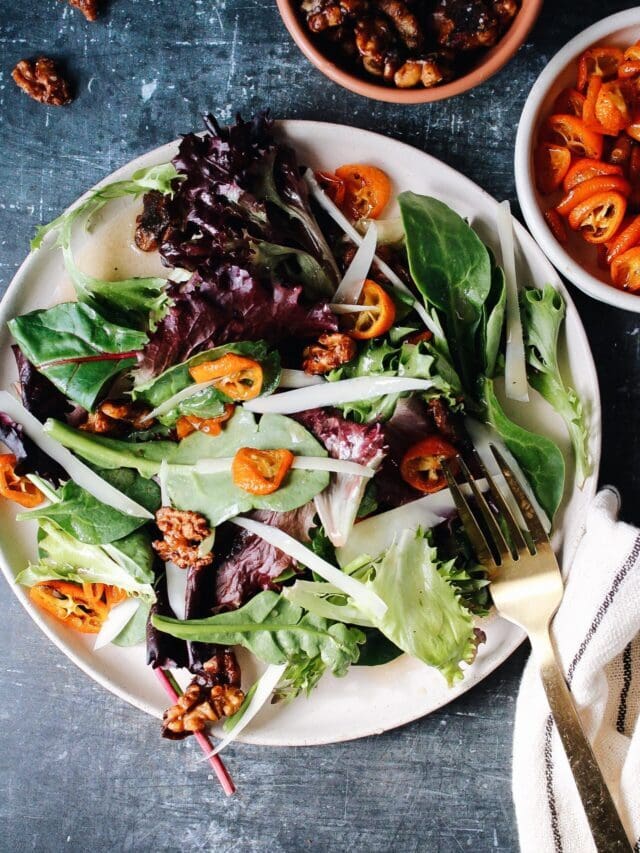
(517, 635)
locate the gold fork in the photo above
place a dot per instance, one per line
(526, 587)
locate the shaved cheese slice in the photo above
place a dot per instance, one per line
(77, 470)
(515, 366)
(117, 618)
(364, 598)
(350, 287)
(305, 463)
(298, 379)
(264, 687)
(338, 308)
(173, 401)
(176, 577)
(334, 393)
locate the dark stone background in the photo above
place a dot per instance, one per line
(79, 769)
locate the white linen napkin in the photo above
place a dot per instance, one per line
(597, 635)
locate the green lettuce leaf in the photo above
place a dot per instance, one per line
(160, 178)
(126, 563)
(56, 340)
(543, 313)
(135, 631)
(425, 616)
(539, 458)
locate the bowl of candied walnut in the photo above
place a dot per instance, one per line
(409, 51)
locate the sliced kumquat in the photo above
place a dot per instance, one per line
(260, 472)
(16, 488)
(365, 325)
(586, 189)
(556, 225)
(333, 186)
(551, 165)
(625, 270)
(628, 69)
(627, 237)
(632, 53)
(611, 108)
(210, 426)
(367, 191)
(603, 61)
(569, 102)
(70, 604)
(584, 169)
(238, 377)
(421, 465)
(572, 132)
(589, 109)
(599, 216)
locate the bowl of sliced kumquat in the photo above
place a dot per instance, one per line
(577, 160)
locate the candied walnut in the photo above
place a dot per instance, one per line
(154, 220)
(42, 81)
(183, 532)
(448, 423)
(375, 42)
(331, 351)
(89, 8)
(405, 22)
(117, 418)
(222, 668)
(506, 10)
(465, 24)
(198, 706)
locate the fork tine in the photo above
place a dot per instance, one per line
(537, 531)
(490, 520)
(503, 506)
(473, 531)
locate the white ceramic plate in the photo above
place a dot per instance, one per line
(578, 262)
(368, 700)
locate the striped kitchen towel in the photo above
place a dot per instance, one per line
(597, 635)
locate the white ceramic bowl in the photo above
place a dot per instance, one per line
(577, 262)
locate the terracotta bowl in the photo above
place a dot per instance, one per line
(489, 63)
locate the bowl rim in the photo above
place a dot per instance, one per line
(523, 157)
(493, 60)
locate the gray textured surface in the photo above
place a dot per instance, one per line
(79, 769)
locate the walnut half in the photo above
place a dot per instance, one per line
(198, 706)
(329, 352)
(183, 532)
(42, 81)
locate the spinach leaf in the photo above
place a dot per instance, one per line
(452, 269)
(540, 459)
(130, 483)
(493, 313)
(377, 649)
(543, 312)
(84, 517)
(76, 348)
(276, 631)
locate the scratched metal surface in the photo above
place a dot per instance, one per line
(81, 770)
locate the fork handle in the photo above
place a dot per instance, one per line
(606, 826)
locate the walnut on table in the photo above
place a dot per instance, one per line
(183, 532)
(42, 81)
(89, 8)
(331, 350)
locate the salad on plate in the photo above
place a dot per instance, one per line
(244, 455)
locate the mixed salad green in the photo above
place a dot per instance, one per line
(237, 453)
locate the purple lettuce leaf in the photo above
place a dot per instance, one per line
(233, 307)
(39, 395)
(30, 459)
(199, 595)
(338, 504)
(251, 564)
(243, 200)
(163, 650)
